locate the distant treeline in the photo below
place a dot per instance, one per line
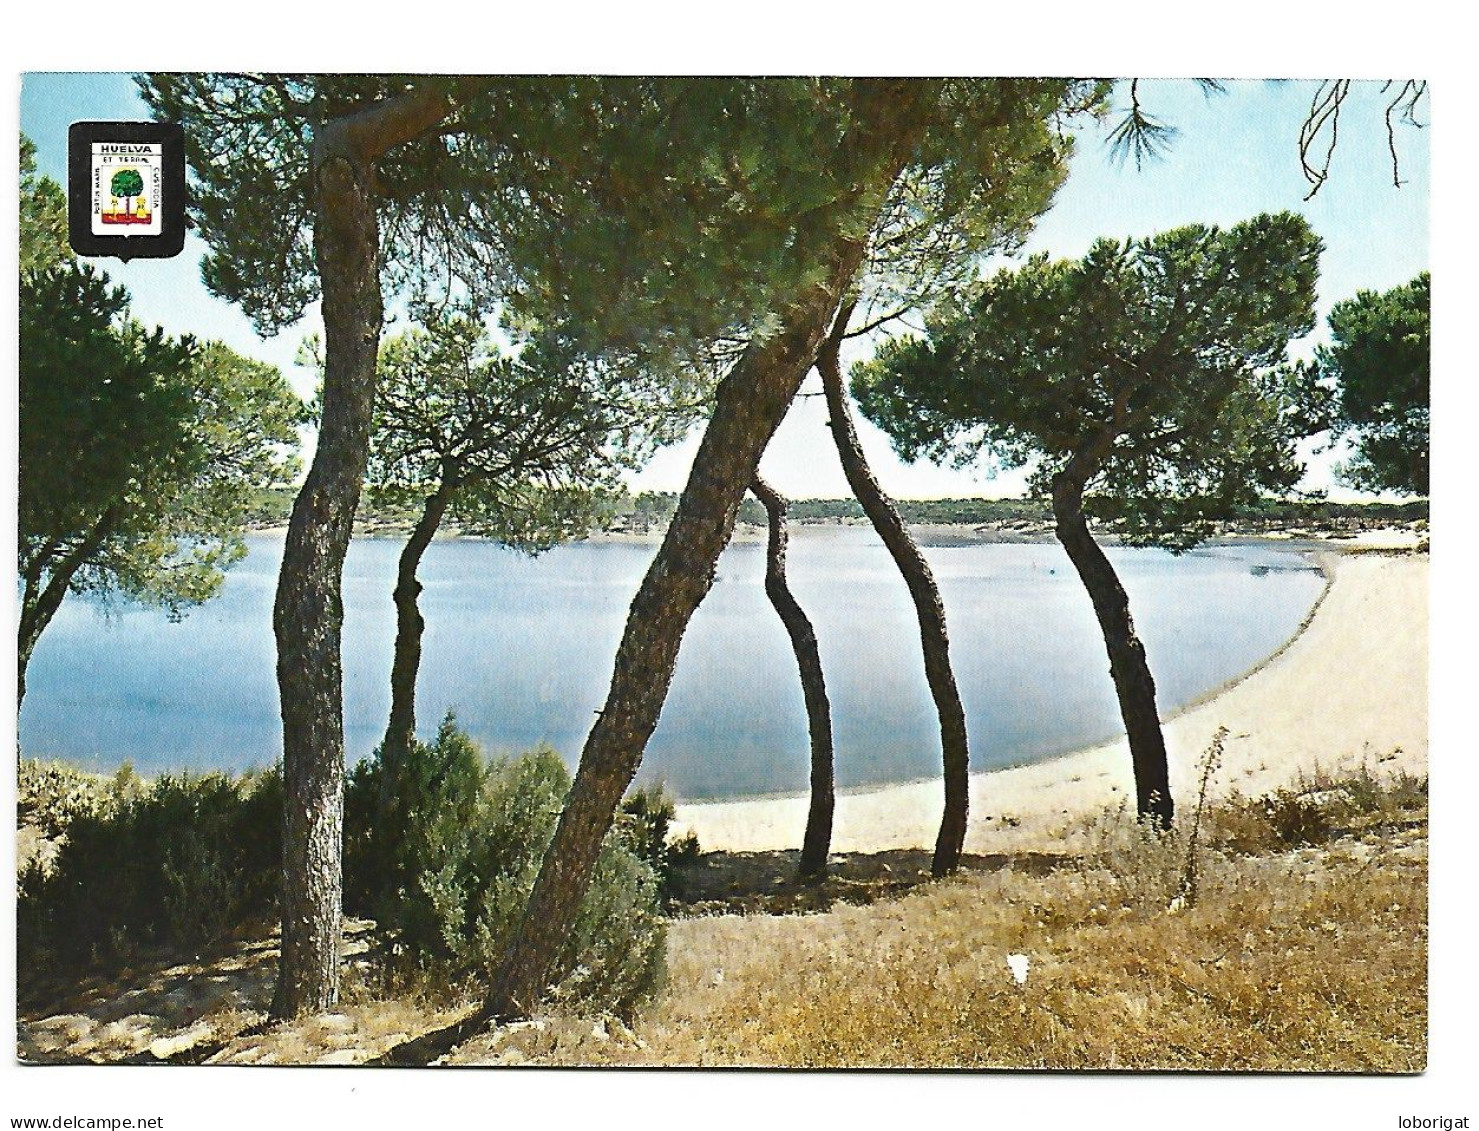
(652, 510)
(655, 508)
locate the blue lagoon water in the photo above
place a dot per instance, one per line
(522, 650)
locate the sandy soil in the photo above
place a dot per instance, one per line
(1350, 688)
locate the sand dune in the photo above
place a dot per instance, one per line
(1351, 687)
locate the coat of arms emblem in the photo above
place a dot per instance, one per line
(126, 188)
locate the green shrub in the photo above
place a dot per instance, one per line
(443, 852)
(179, 865)
(645, 821)
(50, 795)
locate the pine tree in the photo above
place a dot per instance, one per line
(1147, 379)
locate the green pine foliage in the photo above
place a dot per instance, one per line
(139, 454)
(1380, 358)
(525, 447)
(644, 216)
(43, 207)
(1157, 367)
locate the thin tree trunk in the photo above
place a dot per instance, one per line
(308, 611)
(1133, 683)
(22, 661)
(39, 603)
(400, 732)
(817, 842)
(929, 609)
(33, 620)
(750, 403)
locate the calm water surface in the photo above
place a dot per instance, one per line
(522, 650)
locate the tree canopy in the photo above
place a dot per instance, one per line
(1380, 358)
(616, 206)
(43, 216)
(524, 442)
(138, 452)
(126, 183)
(1164, 355)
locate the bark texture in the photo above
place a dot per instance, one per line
(929, 609)
(1133, 683)
(750, 403)
(817, 842)
(308, 612)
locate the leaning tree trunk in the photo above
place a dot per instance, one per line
(817, 842)
(39, 603)
(38, 606)
(410, 626)
(929, 609)
(1128, 668)
(749, 405)
(308, 612)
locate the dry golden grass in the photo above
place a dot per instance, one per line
(1309, 959)
(1292, 956)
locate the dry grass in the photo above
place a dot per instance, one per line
(1313, 959)
(1305, 949)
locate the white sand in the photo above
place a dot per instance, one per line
(1351, 687)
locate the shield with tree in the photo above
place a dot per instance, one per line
(127, 184)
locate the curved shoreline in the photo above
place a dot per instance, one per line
(1318, 556)
(1321, 559)
(1339, 692)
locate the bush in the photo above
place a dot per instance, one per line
(179, 865)
(50, 795)
(443, 852)
(1138, 863)
(1317, 809)
(645, 821)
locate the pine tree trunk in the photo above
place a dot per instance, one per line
(817, 842)
(749, 405)
(1133, 683)
(308, 612)
(928, 607)
(400, 732)
(33, 620)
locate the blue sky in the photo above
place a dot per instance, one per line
(1234, 155)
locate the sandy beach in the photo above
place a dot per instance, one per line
(1351, 687)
